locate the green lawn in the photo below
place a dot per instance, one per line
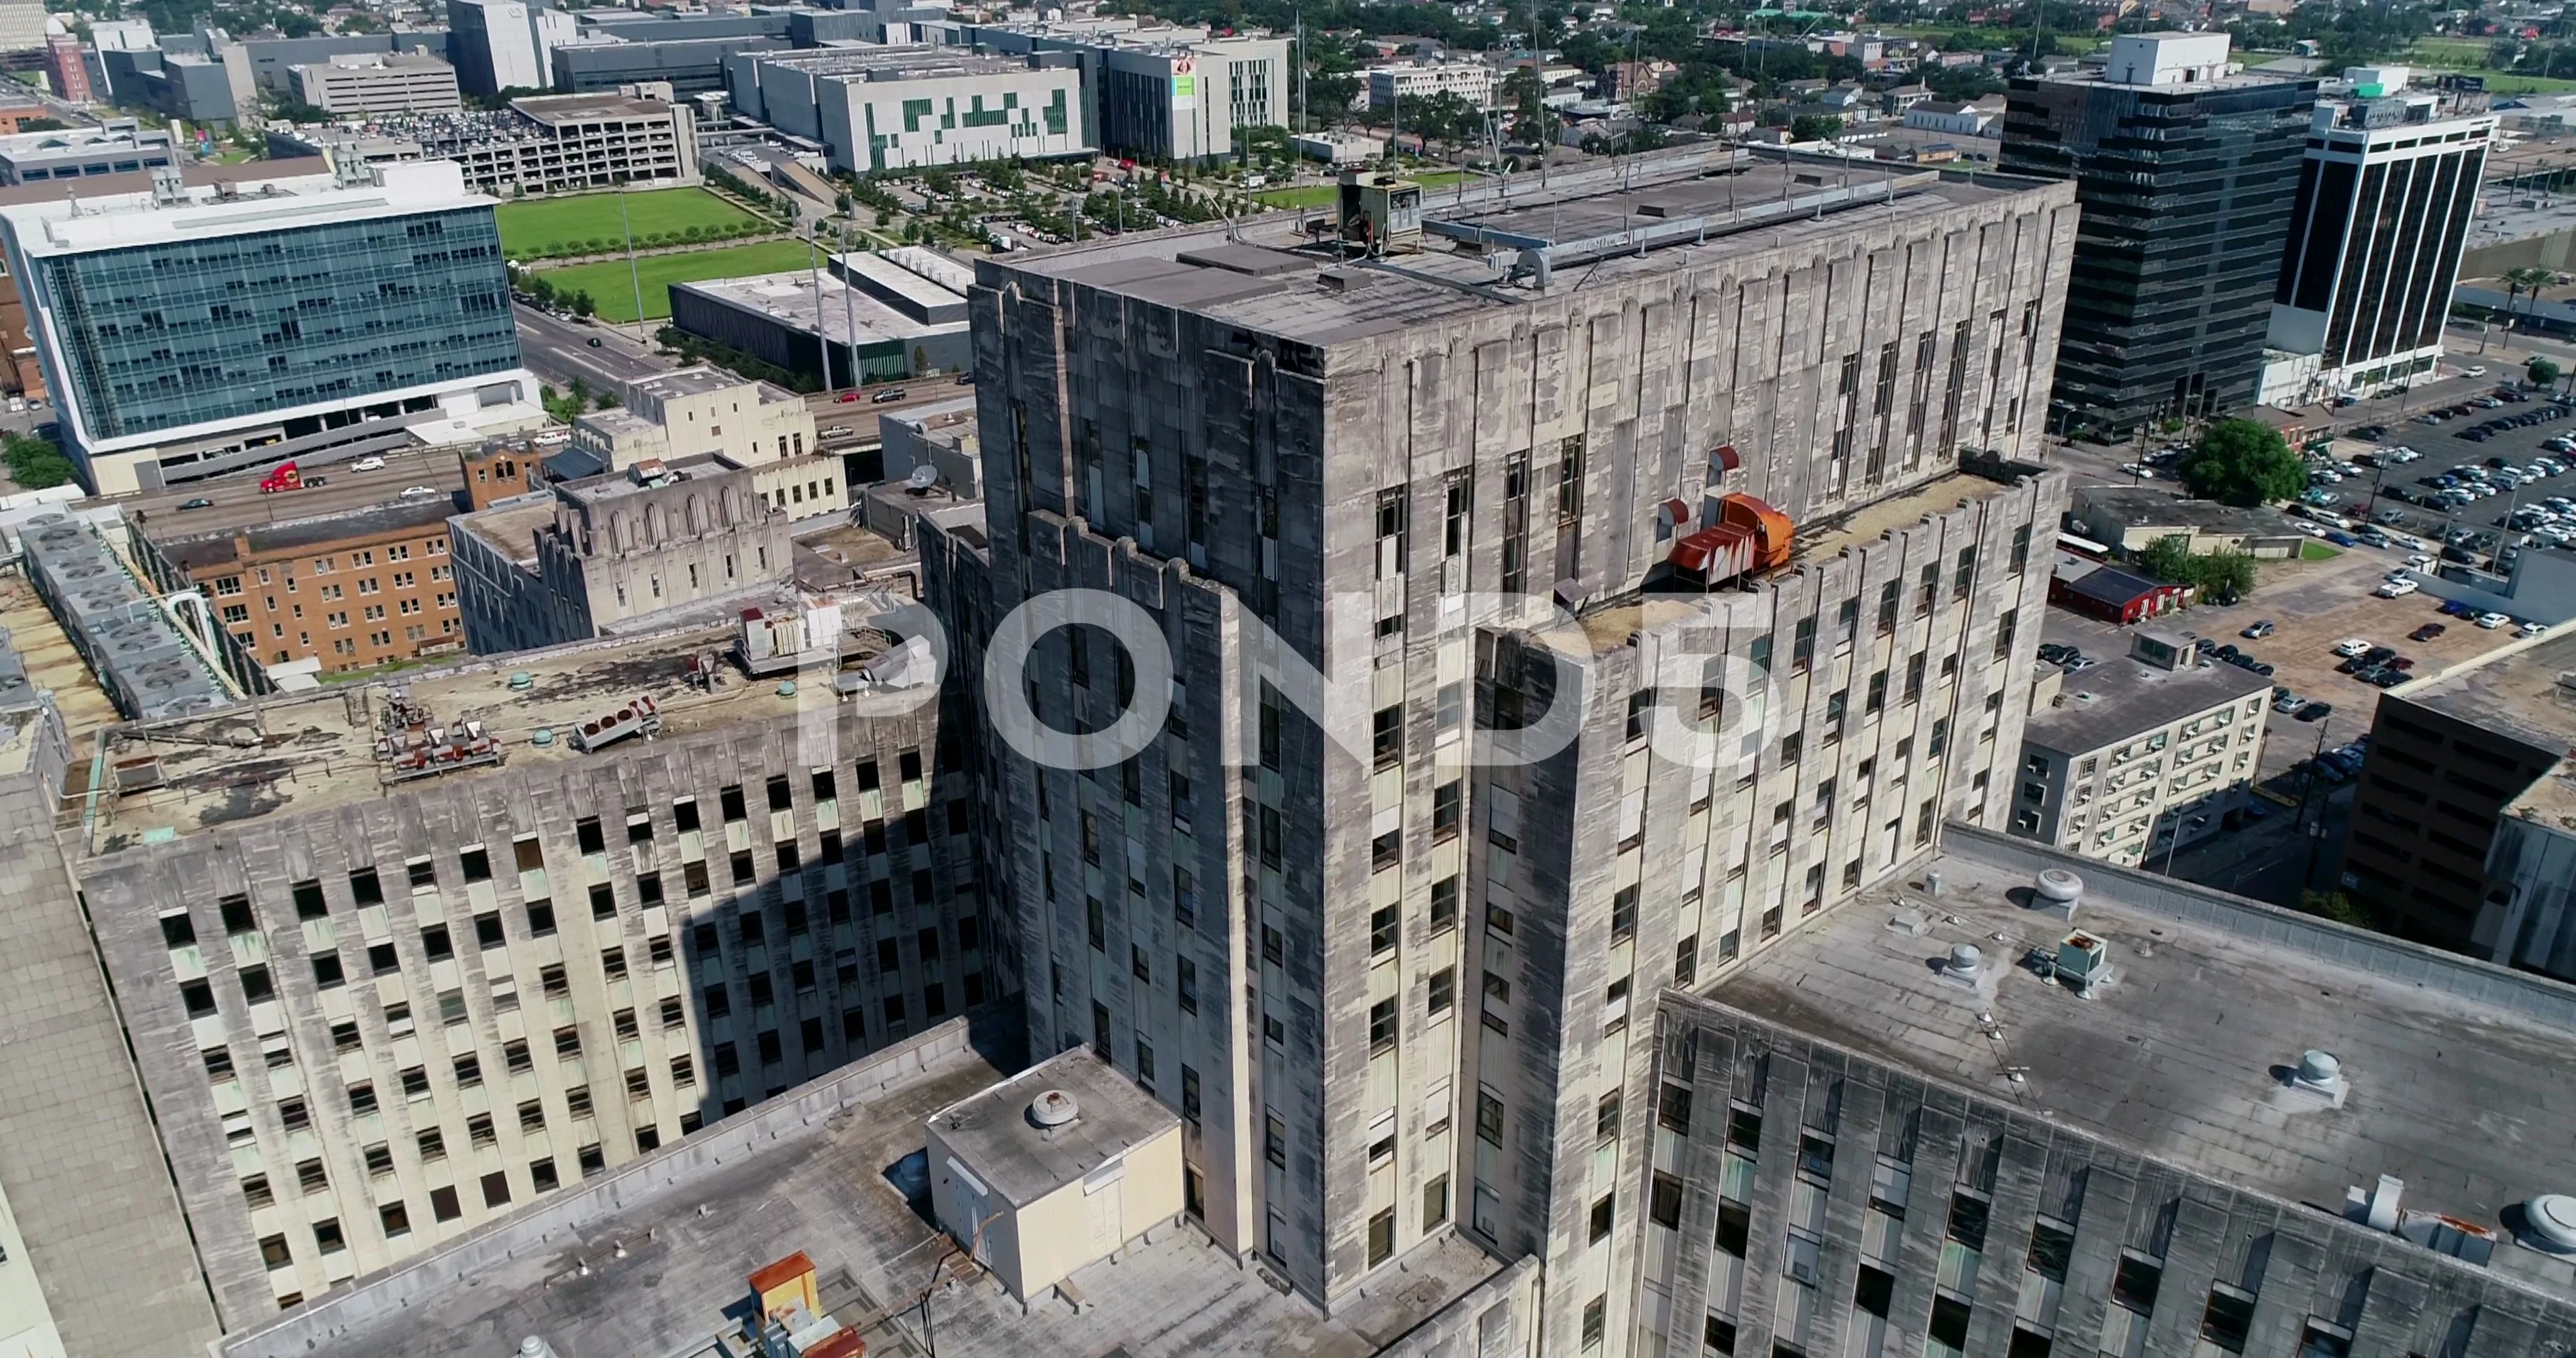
(539, 228)
(1321, 195)
(611, 289)
(2313, 550)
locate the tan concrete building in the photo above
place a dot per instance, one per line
(652, 546)
(373, 84)
(1397, 1001)
(2139, 756)
(429, 961)
(690, 413)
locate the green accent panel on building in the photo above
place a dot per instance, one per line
(978, 116)
(1055, 115)
(914, 110)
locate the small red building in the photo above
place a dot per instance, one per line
(2112, 595)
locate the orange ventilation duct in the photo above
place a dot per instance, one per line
(1749, 537)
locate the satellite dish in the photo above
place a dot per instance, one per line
(923, 477)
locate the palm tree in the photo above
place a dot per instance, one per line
(2518, 279)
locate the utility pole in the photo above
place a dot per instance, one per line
(634, 276)
(822, 339)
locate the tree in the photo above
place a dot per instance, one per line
(1815, 127)
(34, 463)
(2336, 906)
(582, 306)
(2218, 577)
(2541, 371)
(2239, 462)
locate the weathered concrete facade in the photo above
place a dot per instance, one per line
(370, 1027)
(88, 1191)
(1621, 866)
(622, 551)
(1344, 462)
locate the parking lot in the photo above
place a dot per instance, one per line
(2312, 605)
(2470, 489)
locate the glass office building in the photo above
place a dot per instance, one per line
(182, 332)
(2187, 177)
(200, 329)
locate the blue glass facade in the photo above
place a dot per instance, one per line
(184, 332)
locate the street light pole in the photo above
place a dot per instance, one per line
(634, 276)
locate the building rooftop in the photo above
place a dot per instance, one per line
(381, 61)
(2120, 697)
(2524, 689)
(692, 381)
(1690, 210)
(994, 1131)
(52, 224)
(2550, 801)
(511, 525)
(2136, 505)
(2105, 584)
(2456, 1066)
(610, 486)
(846, 314)
(298, 752)
(557, 109)
(655, 1257)
(910, 62)
(191, 545)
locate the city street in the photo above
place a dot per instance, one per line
(559, 350)
(238, 500)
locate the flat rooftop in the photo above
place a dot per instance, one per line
(2181, 1058)
(580, 108)
(991, 1129)
(918, 62)
(1714, 206)
(845, 314)
(653, 1258)
(694, 381)
(2550, 801)
(1875, 520)
(2518, 689)
(2145, 505)
(190, 543)
(512, 525)
(2121, 697)
(291, 753)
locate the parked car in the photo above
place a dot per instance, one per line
(2532, 629)
(2343, 539)
(2139, 470)
(845, 398)
(2455, 609)
(2286, 701)
(2351, 646)
(2427, 632)
(2258, 629)
(2313, 711)
(2057, 653)
(2491, 621)
(2396, 589)
(414, 492)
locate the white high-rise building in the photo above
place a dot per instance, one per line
(2385, 199)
